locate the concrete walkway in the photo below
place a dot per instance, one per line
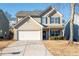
(26, 48)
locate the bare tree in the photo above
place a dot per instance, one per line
(71, 23)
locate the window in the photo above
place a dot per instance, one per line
(55, 33)
(55, 20)
(52, 33)
(44, 20)
(52, 20)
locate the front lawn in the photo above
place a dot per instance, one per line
(61, 48)
(5, 43)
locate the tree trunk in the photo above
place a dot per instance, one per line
(72, 22)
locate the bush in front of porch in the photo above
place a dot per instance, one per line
(57, 38)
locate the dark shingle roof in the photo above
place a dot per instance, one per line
(34, 13)
(26, 13)
(3, 17)
(21, 22)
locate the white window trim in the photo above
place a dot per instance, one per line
(45, 20)
(54, 20)
(54, 32)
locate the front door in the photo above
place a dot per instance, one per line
(45, 35)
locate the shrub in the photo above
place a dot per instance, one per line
(57, 38)
(9, 35)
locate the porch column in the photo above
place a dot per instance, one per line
(49, 34)
(62, 32)
(46, 35)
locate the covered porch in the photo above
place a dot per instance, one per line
(48, 32)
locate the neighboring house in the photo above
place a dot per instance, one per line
(12, 23)
(75, 29)
(4, 24)
(63, 21)
(34, 25)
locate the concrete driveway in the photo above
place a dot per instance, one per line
(26, 48)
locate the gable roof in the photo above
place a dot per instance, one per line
(37, 12)
(21, 22)
(28, 14)
(25, 19)
(46, 10)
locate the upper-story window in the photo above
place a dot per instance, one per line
(44, 20)
(52, 20)
(55, 20)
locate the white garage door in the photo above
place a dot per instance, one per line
(29, 35)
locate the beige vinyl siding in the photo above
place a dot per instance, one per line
(15, 34)
(38, 19)
(58, 15)
(55, 15)
(29, 25)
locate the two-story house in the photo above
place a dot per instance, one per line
(38, 25)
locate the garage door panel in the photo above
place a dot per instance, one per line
(29, 35)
